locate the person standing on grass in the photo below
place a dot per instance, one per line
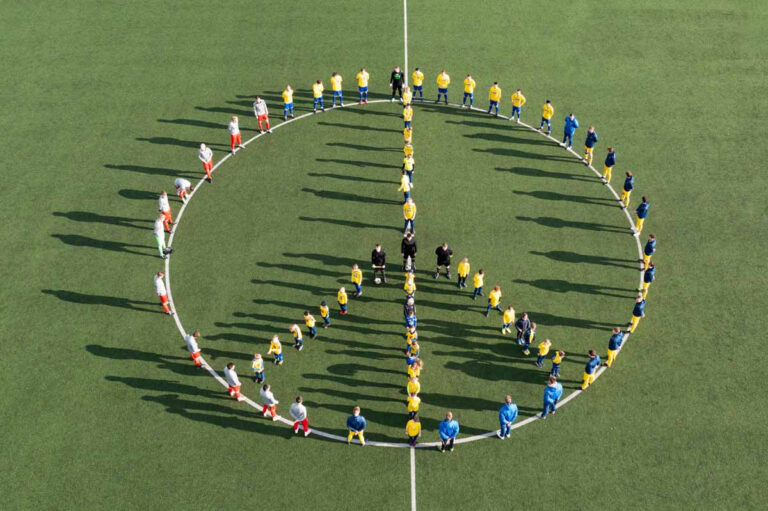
(192, 347)
(325, 313)
(336, 81)
(507, 415)
(518, 100)
(547, 112)
(418, 83)
(408, 135)
(494, 300)
(463, 271)
(276, 349)
(183, 188)
(405, 185)
(589, 145)
(590, 370)
(396, 81)
(469, 92)
(521, 326)
(610, 161)
(529, 337)
(409, 307)
(408, 246)
(508, 320)
(342, 298)
(477, 281)
(415, 367)
(443, 81)
(414, 402)
(268, 402)
(411, 320)
(642, 213)
(379, 262)
(413, 430)
(309, 320)
(257, 368)
(648, 250)
(362, 85)
(557, 359)
(649, 275)
(162, 293)
(571, 123)
(299, 413)
(410, 284)
(614, 344)
(165, 209)
(443, 253)
(494, 96)
(407, 96)
(543, 351)
(317, 96)
(356, 425)
(261, 112)
(413, 386)
(448, 430)
(287, 102)
(638, 312)
(409, 164)
(357, 280)
(626, 190)
(235, 138)
(205, 154)
(159, 232)
(298, 340)
(552, 394)
(407, 116)
(233, 382)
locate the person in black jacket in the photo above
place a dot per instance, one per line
(443, 253)
(408, 249)
(379, 262)
(396, 80)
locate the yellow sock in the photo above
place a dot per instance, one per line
(362, 438)
(350, 436)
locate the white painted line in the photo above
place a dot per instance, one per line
(405, 40)
(339, 438)
(413, 479)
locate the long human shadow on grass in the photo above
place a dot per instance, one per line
(315, 290)
(170, 362)
(353, 369)
(351, 396)
(559, 223)
(563, 286)
(531, 172)
(545, 319)
(111, 301)
(224, 110)
(360, 147)
(348, 177)
(300, 269)
(352, 197)
(564, 256)
(166, 385)
(181, 143)
(496, 137)
(328, 260)
(76, 240)
(128, 193)
(554, 196)
(500, 124)
(349, 223)
(87, 216)
(203, 124)
(357, 127)
(508, 152)
(357, 163)
(153, 171)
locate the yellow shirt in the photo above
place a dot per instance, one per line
(463, 269)
(413, 428)
(409, 211)
(309, 321)
(408, 162)
(357, 276)
(296, 332)
(336, 82)
(317, 90)
(275, 347)
(413, 371)
(407, 97)
(547, 111)
(413, 403)
(443, 80)
(323, 311)
(478, 280)
(413, 387)
(257, 365)
(494, 93)
(409, 287)
(509, 316)
(341, 296)
(405, 184)
(408, 149)
(362, 78)
(407, 114)
(518, 99)
(410, 336)
(469, 85)
(418, 78)
(288, 96)
(408, 135)
(557, 358)
(494, 297)
(543, 349)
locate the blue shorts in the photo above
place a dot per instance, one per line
(442, 91)
(418, 87)
(546, 121)
(407, 124)
(494, 103)
(288, 105)
(515, 109)
(362, 89)
(337, 94)
(469, 95)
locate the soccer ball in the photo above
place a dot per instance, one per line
(377, 281)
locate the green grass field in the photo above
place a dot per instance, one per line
(105, 103)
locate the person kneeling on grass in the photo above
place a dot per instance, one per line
(356, 425)
(299, 413)
(449, 429)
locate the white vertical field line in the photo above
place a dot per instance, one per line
(413, 478)
(405, 41)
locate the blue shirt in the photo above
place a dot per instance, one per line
(508, 413)
(639, 309)
(552, 394)
(591, 139)
(649, 274)
(615, 342)
(449, 429)
(356, 423)
(570, 125)
(592, 364)
(610, 160)
(629, 183)
(529, 336)
(650, 247)
(411, 321)
(642, 209)
(410, 360)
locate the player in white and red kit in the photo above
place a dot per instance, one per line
(233, 382)
(162, 293)
(261, 113)
(165, 209)
(193, 348)
(183, 187)
(206, 156)
(159, 231)
(235, 139)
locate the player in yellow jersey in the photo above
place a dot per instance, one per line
(543, 350)
(276, 349)
(547, 111)
(411, 335)
(413, 387)
(414, 369)
(509, 320)
(477, 281)
(409, 165)
(325, 313)
(557, 359)
(413, 430)
(469, 92)
(408, 149)
(362, 85)
(414, 402)
(418, 83)
(287, 102)
(309, 320)
(408, 135)
(518, 100)
(494, 300)
(410, 284)
(298, 341)
(443, 81)
(405, 184)
(317, 96)
(257, 366)
(357, 280)
(336, 80)
(409, 213)
(341, 297)
(407, 96)
(494, 96)
(463, 271)
(408, 116)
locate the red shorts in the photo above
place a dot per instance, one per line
(163, 299)
(262, 117)
(195, 355)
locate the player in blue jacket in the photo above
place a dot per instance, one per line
(642, 213)
(590, 370)
(552, 394)
(507, 415)
(614, 343)
(610, 161)
(637, 313)
(571, 123)
(648, 277)
(448, 430)
(648, 250)
(589, 145)
(626, 190)
(356, 425)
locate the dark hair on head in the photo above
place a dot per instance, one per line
(592, 353)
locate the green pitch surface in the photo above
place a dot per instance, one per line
(105, 105)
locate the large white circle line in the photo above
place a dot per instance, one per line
(374, 443)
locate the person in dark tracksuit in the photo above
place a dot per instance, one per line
(408, 249)
(443, 253)
(396, 80)
(379, 262)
